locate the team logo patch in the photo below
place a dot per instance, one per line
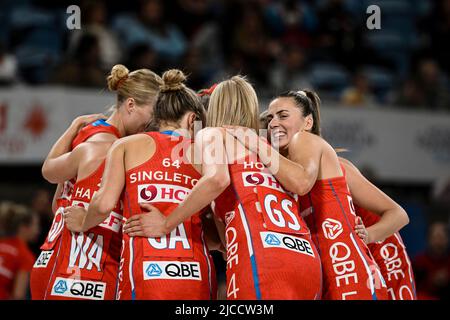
(229, 216)
(73, 288)
(331, 228)
(57, 225)
(43, 259)
(288, 242)
(171, 270)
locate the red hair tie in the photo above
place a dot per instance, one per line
(119, 83)
(207, 92)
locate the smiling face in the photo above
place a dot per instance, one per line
(286, 119)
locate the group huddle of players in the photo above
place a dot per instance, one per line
(142, 199)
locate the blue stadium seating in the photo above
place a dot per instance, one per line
(330, 77)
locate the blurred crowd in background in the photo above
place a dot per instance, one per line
(279, 45)
(322, 44)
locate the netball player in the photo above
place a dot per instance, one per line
(270, 254)
(86, 264)
(390, 254)
(156, 167)
(44, 264)
(309, 166)
(20, 226)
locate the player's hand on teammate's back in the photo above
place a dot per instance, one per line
(248, 137)
(151, 223)
(361, 230)
(84, 120)
(74, 218)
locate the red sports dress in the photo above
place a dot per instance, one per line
(176, 266)
(270, 254)
(15, 256)
(393, 260)
(88, 262)
(44, 265)
(349, 270)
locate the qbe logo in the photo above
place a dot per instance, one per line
(331, 228)
(43, 259)
(73, 288)
(172, 270)
(288, 242)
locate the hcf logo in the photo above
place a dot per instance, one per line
(153, 270)
(61, 286)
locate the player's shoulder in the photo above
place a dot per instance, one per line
(134, 140)
(303, 140)
(348, 165)
(210, 132)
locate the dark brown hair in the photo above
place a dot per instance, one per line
(309, 102)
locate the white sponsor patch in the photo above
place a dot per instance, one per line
(57, 225)
(73, 288)
(113, 222)
(172, 270)
(257, 178)
(43, 259)
(162, 193)
(285, 241)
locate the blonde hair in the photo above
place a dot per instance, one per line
(233, 102)
(175, 99)
(142, 85)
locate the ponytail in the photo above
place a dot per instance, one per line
(309, 102)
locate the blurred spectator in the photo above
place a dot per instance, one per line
(436, 31)
(258, 38)
(198, 77)
(20, 226)
(250, 41)
(143, 56)
(41, 204)
(430, 80)
(409, 95)
(291, 71)
(441, 191)
(8, 67)
(191, 16)
(150, 25)
(83, 67)
(339, 37)
(432, 267)
(292, 21)
(359, 94)
(93, 21)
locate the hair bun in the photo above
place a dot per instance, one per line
(173, 80)
(118, 74)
